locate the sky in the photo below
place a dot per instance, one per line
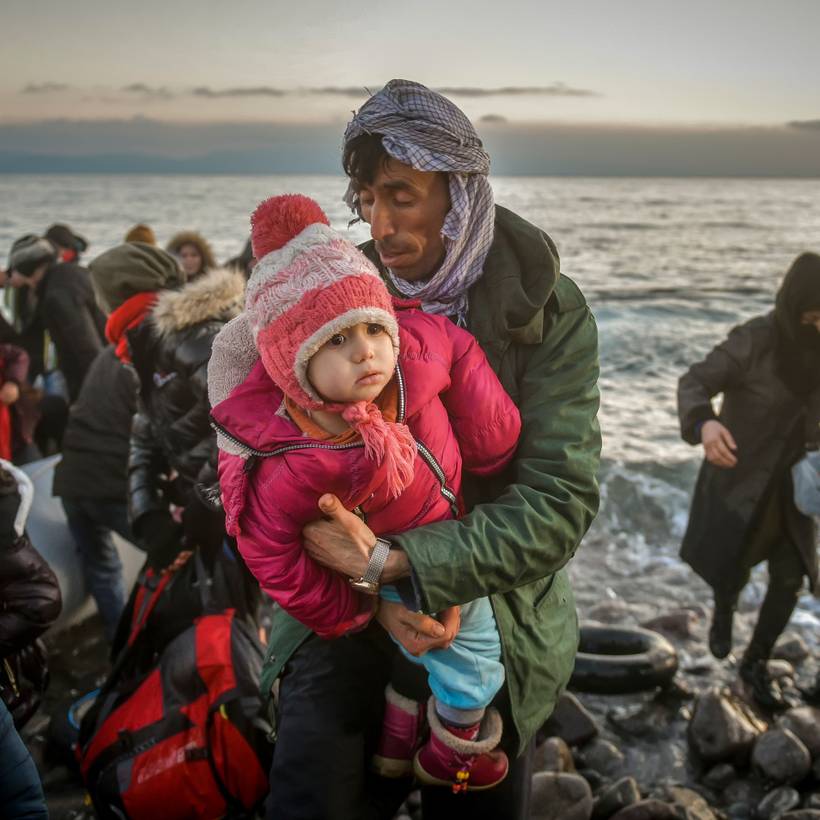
(623, 86)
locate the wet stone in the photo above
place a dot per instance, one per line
(595, 779)
(804, 721)
(801, 814)
(815, 769)
(739, 811)
(553, 755)
(744, 791)
(720, 776)
(780, 669)
(781, 757)
(560, 796)
(602, 756)
(776, 802)
(570, 721)
(792, 648)
(647, 810)
(721, 729)
(612, 799)
(693, 804)
(812, 801)
(679, 623)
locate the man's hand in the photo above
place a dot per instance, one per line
(718, 444)
(342, 541)
(416, 632)
(9, 393)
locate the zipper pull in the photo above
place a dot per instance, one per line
(250, 463)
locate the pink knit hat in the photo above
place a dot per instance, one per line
(308, 285)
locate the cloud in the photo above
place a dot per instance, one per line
(45, 88)
(492, 118)
(252, 91)
(147, 91)
(554, 90)
(343, 91)
(805, 125)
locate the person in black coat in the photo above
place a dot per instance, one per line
(55, 302)
(743, 509)
(91, 479)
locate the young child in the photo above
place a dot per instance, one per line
(383, 408)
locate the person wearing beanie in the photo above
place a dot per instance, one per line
(69, 244)
(380, 406)
(768, 370)
(141, 233)
(91, 479)
(418, 177)
(193, 253)
(163, 328)
(56, 314)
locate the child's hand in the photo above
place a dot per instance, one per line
(9, 393)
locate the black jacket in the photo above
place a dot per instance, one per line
(171, 438)
(30, 598)
(64, 306)
(96, 440)
(771, 426)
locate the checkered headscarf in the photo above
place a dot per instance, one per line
(426, 131)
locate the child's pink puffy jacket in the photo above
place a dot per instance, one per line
(459, 415)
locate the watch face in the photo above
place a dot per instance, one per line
(368, 587)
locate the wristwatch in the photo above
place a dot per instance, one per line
(369, 582)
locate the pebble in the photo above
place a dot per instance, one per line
(693, 805)
(804, 721)
(560, 796)
(722, 729)
(615, 797)
(791, 647)
(720, 776)
(739, 811)
(780, 669)
(595, 779)
(553, 755)
(570, 721)
(812, 801)
(776, 802)
(647, 810)
(679, 623)
(801, 814)
(602, 756)
(780, 756)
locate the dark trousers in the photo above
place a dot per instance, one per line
(21, 793)
(91, 522)
(331, 700)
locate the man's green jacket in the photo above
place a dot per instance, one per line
(524, 525)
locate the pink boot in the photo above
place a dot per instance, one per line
(401, 735)
(462, 758)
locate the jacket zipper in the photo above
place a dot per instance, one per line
(424, 452)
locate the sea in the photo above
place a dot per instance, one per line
(668, 266)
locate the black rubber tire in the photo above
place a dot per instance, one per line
(618, 660)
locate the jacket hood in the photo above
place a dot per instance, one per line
(198, 241)
(799, 292)
(219, 295)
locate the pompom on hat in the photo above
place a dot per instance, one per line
(308, 285)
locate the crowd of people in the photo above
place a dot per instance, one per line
(396, 446)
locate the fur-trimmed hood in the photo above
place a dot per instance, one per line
(218, 295)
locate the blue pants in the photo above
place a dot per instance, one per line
(91, 522)
(468, 674)
(21, 793)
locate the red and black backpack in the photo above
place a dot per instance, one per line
(187, 738)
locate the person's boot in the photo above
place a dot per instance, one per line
(462, 758)
(402, 728)
(765, 690)
(720, 632)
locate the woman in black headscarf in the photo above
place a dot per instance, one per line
(743, 510)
